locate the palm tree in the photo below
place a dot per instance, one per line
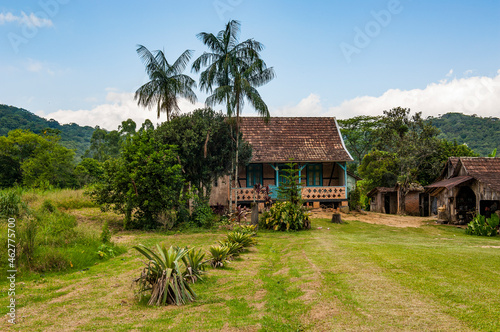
(167, 83)
(234, 72)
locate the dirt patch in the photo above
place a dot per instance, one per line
(393, 220)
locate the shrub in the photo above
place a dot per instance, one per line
(246, 229)
(483, 226)
(285, 216)
(219, 256)
(195, 265)
(246, 240)
(202, 216)
(11, 205)
(162, 276)
(234, 248)
(105, 251)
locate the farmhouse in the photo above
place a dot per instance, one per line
(314, 143)
(467, 186)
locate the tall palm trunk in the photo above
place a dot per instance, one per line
(237, 150)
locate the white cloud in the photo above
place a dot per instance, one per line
(24, 19)
(471, 95)
(119, 107)
(309, 106)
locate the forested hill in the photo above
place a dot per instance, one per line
(480, 134)
(73, 136)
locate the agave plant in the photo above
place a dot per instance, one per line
(234, 248)
(163, 277)
(245, 239)
(195, 265)
(247, 229)
(219, 256)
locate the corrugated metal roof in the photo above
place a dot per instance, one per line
(450, 183)
(305, 139)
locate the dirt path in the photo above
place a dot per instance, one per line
(378, 218)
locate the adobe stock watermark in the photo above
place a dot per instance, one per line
(363, 37)
(34, 22)
(487, 88)
(224, 6)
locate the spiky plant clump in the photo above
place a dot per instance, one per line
(163, 277)
(219, 256)
(247, 229)
(234, 248)
(195, 265)
(246, 240)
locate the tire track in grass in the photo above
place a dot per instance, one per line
(283, 306)
(369, 300)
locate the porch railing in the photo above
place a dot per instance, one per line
(308, 193)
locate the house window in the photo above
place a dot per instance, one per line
(254, 174)
(314, 175)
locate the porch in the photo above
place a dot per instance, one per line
(320, 181)
(324, 194)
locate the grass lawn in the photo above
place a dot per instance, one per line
(355, 276)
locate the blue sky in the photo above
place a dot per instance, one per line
(75, 61)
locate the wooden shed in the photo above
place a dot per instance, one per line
(388, 200)
(467, 186)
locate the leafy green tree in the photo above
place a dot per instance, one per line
(127, 128)
(379, 169)
(205, 146)
(234, 72)
(167, 83)
(104, 145)
(144, 183)
(37, 161)
(360, 135)
(88, 171)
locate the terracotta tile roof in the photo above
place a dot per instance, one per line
(301, 138)
(485, 170)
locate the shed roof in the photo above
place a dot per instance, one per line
(376, 190)
(450, 183)
(483, 169)
(303, 139)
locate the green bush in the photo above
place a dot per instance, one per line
(246, 240)
(233, 248)
(202, 216)
(285, 216)
(162, 276)
(246, 229)
(218, 256)
(483, 226)
(195, 265)
(11, 205)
